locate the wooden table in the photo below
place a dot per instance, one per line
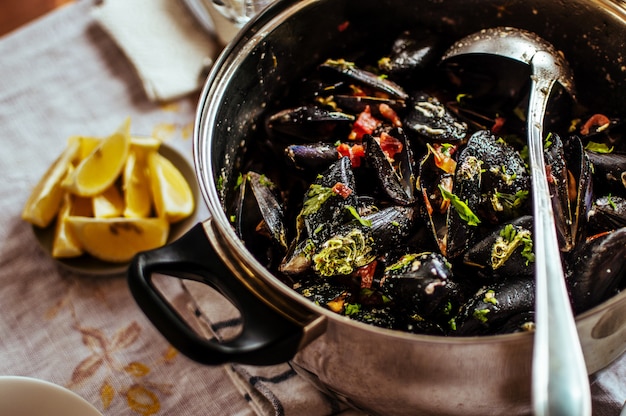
(14, 14)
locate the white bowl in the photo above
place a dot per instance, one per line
(24, 396)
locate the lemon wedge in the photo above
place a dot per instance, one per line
(144, 145)
(136, 180)
(99, 170)
(64, 244)
(87, 145)
(46, 198)
(118, 239)
(173, 198)
(109, 203)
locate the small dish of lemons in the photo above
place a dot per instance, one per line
(103, 200)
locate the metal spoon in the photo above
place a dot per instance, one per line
(560, 384)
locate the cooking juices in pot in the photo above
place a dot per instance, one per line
(396, 191)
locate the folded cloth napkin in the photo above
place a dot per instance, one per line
(162, 41)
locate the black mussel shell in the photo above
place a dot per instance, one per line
(355, 104)
(396, 178)
(597, 269)
(359, 241)
(324, 292)
(608, 213)
(504, 182)
(570, 187)
(506, 251)
(434, 208)
(258, 217)
(311, 157)
(412, 54)
(417, 282)
(430, 120)
(494, 305)
(522, 322)
(383, 317)
(377, 86)
(326, 206)
(609, 172)
(309, 123)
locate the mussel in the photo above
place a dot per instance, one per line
(597, 269)
(407, 207)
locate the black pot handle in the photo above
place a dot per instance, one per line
(267, 337)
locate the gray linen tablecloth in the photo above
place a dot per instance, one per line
(64, 76)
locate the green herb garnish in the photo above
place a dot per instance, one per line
(355, 214)
(510, 239)
(317, 195)
(481, 315)
(610, 201)
(351, 308)
(461, 207)
(598, 147)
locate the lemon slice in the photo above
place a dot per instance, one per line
(118, 239)
(87, 145)
(145, 145)
(97, 171)
(137, 193)
(64, 244)
(46, 198)
(173, 198)
(108, 204)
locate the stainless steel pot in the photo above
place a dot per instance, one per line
(377, 370)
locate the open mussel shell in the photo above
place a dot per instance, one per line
(504, 179)
(351, 73)
(324, 208)
(309, 123)
(609, 172)
(429, 119)
(598, 269)
(258, 217)
(395, 176)
(434, 208)
(355, 104)
(570, 186)
(608, 213)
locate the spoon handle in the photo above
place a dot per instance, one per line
(560, 384)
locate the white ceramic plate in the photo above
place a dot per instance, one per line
(24, 396)
(89, 265)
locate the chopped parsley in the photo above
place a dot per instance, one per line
(355, 214)
(342, 254)
(317, 195)
(481, 315)
(548, 141)
(609, 200)
(598, 147)
(239, 181)
(351, 308)
(490, 297)
(402, 263)
(265, 181)
(461, 207)
(508, 241)
(500, 199)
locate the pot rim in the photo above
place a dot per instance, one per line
(269, 286)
